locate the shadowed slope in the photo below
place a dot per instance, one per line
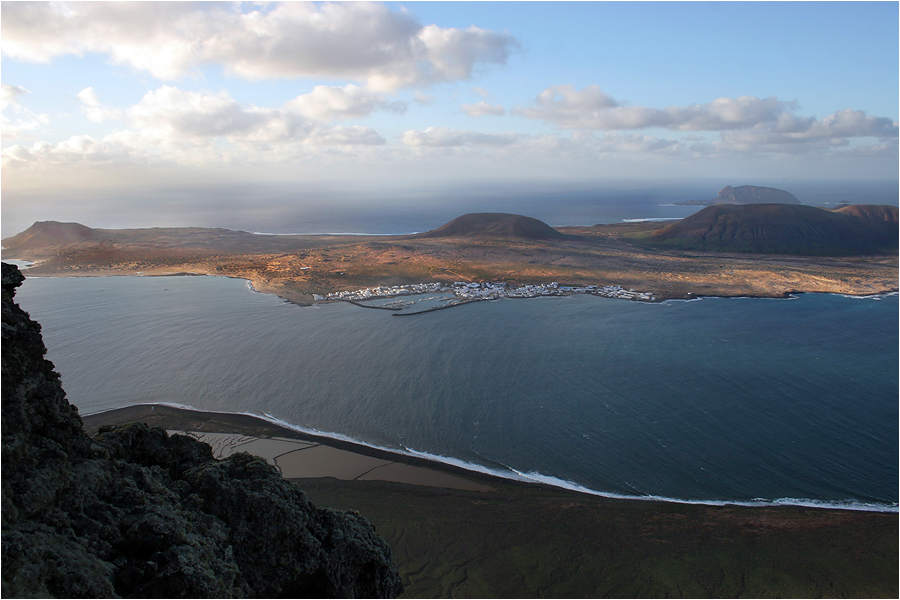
(785, 229)
(871, 212)
(44, 234)
(495, 225)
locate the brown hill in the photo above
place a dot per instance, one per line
(747, 194)
(45, 234)
(785, 229)
(872, 212)
(495, 225)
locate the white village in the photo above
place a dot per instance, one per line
(468, 292)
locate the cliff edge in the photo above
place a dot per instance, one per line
(135, 512)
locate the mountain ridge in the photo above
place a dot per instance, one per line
(785, 229)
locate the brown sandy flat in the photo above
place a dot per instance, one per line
(296, 455)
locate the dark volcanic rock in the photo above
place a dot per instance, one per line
(135, 512)
(786, 229)
(495, 225)
(746, 194)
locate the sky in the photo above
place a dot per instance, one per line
(366, 97)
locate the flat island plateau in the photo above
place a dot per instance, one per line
(759, 250)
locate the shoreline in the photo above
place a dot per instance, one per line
(246, 421)
(661, 297)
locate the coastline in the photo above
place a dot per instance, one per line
(176, 417)
(528, 540)
(660, 297)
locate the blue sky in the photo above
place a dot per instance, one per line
(400, 94)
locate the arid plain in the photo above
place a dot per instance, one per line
(297, 266)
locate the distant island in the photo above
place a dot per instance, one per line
(759, 250)
(746, 194)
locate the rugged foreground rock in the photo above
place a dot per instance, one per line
(134, 512)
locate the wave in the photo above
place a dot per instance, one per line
(870, 296)
(652, 219)
(534, 477)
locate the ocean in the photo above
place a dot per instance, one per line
(755, 401)
(398, 210)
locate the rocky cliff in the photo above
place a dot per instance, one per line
(135, 512)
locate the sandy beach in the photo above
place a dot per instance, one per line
(457, 533)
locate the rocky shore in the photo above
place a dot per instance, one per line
(134, 512)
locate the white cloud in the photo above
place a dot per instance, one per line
(482, 109)
(77, 149)
(765, 119)
(442, 137)
(169, 112)
(326, 103)
(591, 108)
(26, 122)
(174, 126)
(9, 95)
(342, 136)
(92, 109)
(567, 107)
(512, 145)
(387, 49)
(22, 127)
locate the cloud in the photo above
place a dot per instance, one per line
(169, 112)
(512, 145)
(342, 136)
(765, 119)
(567, 107)
(26, 122)
(171, 126)
(9, 95)
(423, 99)
(327, 103)
(22, 127)
(387, 49)
(77, 149)
(92, 109)
(591, 108)
(442, 137)
(482, 109)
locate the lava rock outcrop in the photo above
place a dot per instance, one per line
(135, 512)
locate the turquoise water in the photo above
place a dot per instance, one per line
(739, 400)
